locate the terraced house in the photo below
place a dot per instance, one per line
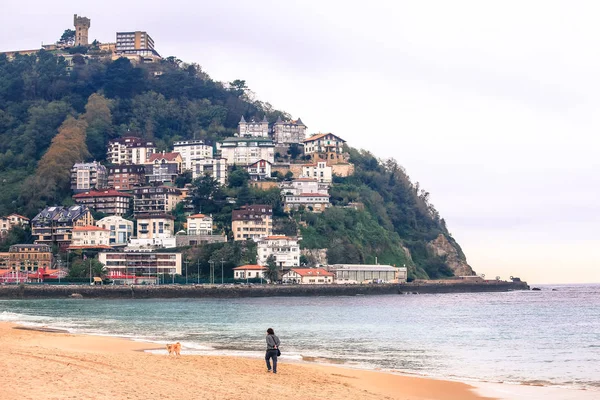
(54, 225)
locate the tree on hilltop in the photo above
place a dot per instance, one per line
(67, 38)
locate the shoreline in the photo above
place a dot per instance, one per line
(83, 362)
(47, 291)
(383, 383)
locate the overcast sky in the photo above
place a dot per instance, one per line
(493, 106)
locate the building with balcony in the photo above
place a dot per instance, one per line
(243, 151)
(192, 150)
(319, 171)
(120, 230)
(325, 146)
(288, 132)
(129, 150)
(126, 177)
(253, 128)
(303, 185)
(10, 221)
(54, 225)
(213, 167)
(155, 199)
(137, 43)
(88, 176)
(284, 249)
(90, 237)
(260, 170)
(313, 202)
(154, 230)
(199, 224)
(140, 266)
(252, 222)
(29, 257)
(109, 202)
(163, 167)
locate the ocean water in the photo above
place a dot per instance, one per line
(538, 338)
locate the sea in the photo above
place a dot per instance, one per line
(498, 341)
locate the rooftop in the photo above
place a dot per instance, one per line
(101, 193)
(166, 156)
(322, 135)
(250, 267)
(312, 272)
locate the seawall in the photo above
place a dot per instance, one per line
(237, 291)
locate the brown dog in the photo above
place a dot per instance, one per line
(174, 349)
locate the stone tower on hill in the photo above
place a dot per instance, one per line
(82, 25)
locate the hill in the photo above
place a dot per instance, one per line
(53, 114)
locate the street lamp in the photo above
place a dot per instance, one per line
(222, 273)
(198, 270)
(212, 272)
(187, 261)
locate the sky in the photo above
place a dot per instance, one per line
(492, 106)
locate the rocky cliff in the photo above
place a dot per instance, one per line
(442, 247)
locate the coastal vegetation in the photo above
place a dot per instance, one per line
(53, 114)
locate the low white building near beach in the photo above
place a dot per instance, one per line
(364, 273)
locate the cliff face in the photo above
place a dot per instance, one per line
(441, 247)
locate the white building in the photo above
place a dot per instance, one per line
(89, 236)
(249, 272)
(192, 150)
(199, 224)
(308, 276)
(243, 151)
(288, 132)
(253, 128)
(313, 202)
(319, 171)
(154, 230)
(260, 170)
(213, 167)
(285, 250)
(303, 185)
(363, 273)
(138, 267)
(129, 150)
(120, 229)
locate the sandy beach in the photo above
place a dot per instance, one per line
(57, 365)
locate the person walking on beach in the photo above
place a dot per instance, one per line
(272, 350)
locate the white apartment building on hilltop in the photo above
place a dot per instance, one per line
(192, 150)
(120, 229)
(247, 150)
(285, 250)
(129, 150)
(319, 171)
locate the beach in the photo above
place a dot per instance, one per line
(57, 365)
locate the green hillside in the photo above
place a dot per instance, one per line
(51, 118)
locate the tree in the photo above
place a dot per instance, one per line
(99, 125)
(80, 268)
(53, 174)
(67, 38)
(272, 272)
(238, 87)
(294, 151)
(238, 178)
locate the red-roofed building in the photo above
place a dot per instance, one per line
(308, 276)
(163, 167)
(109, 201)
(326, 146)
(249, 272)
